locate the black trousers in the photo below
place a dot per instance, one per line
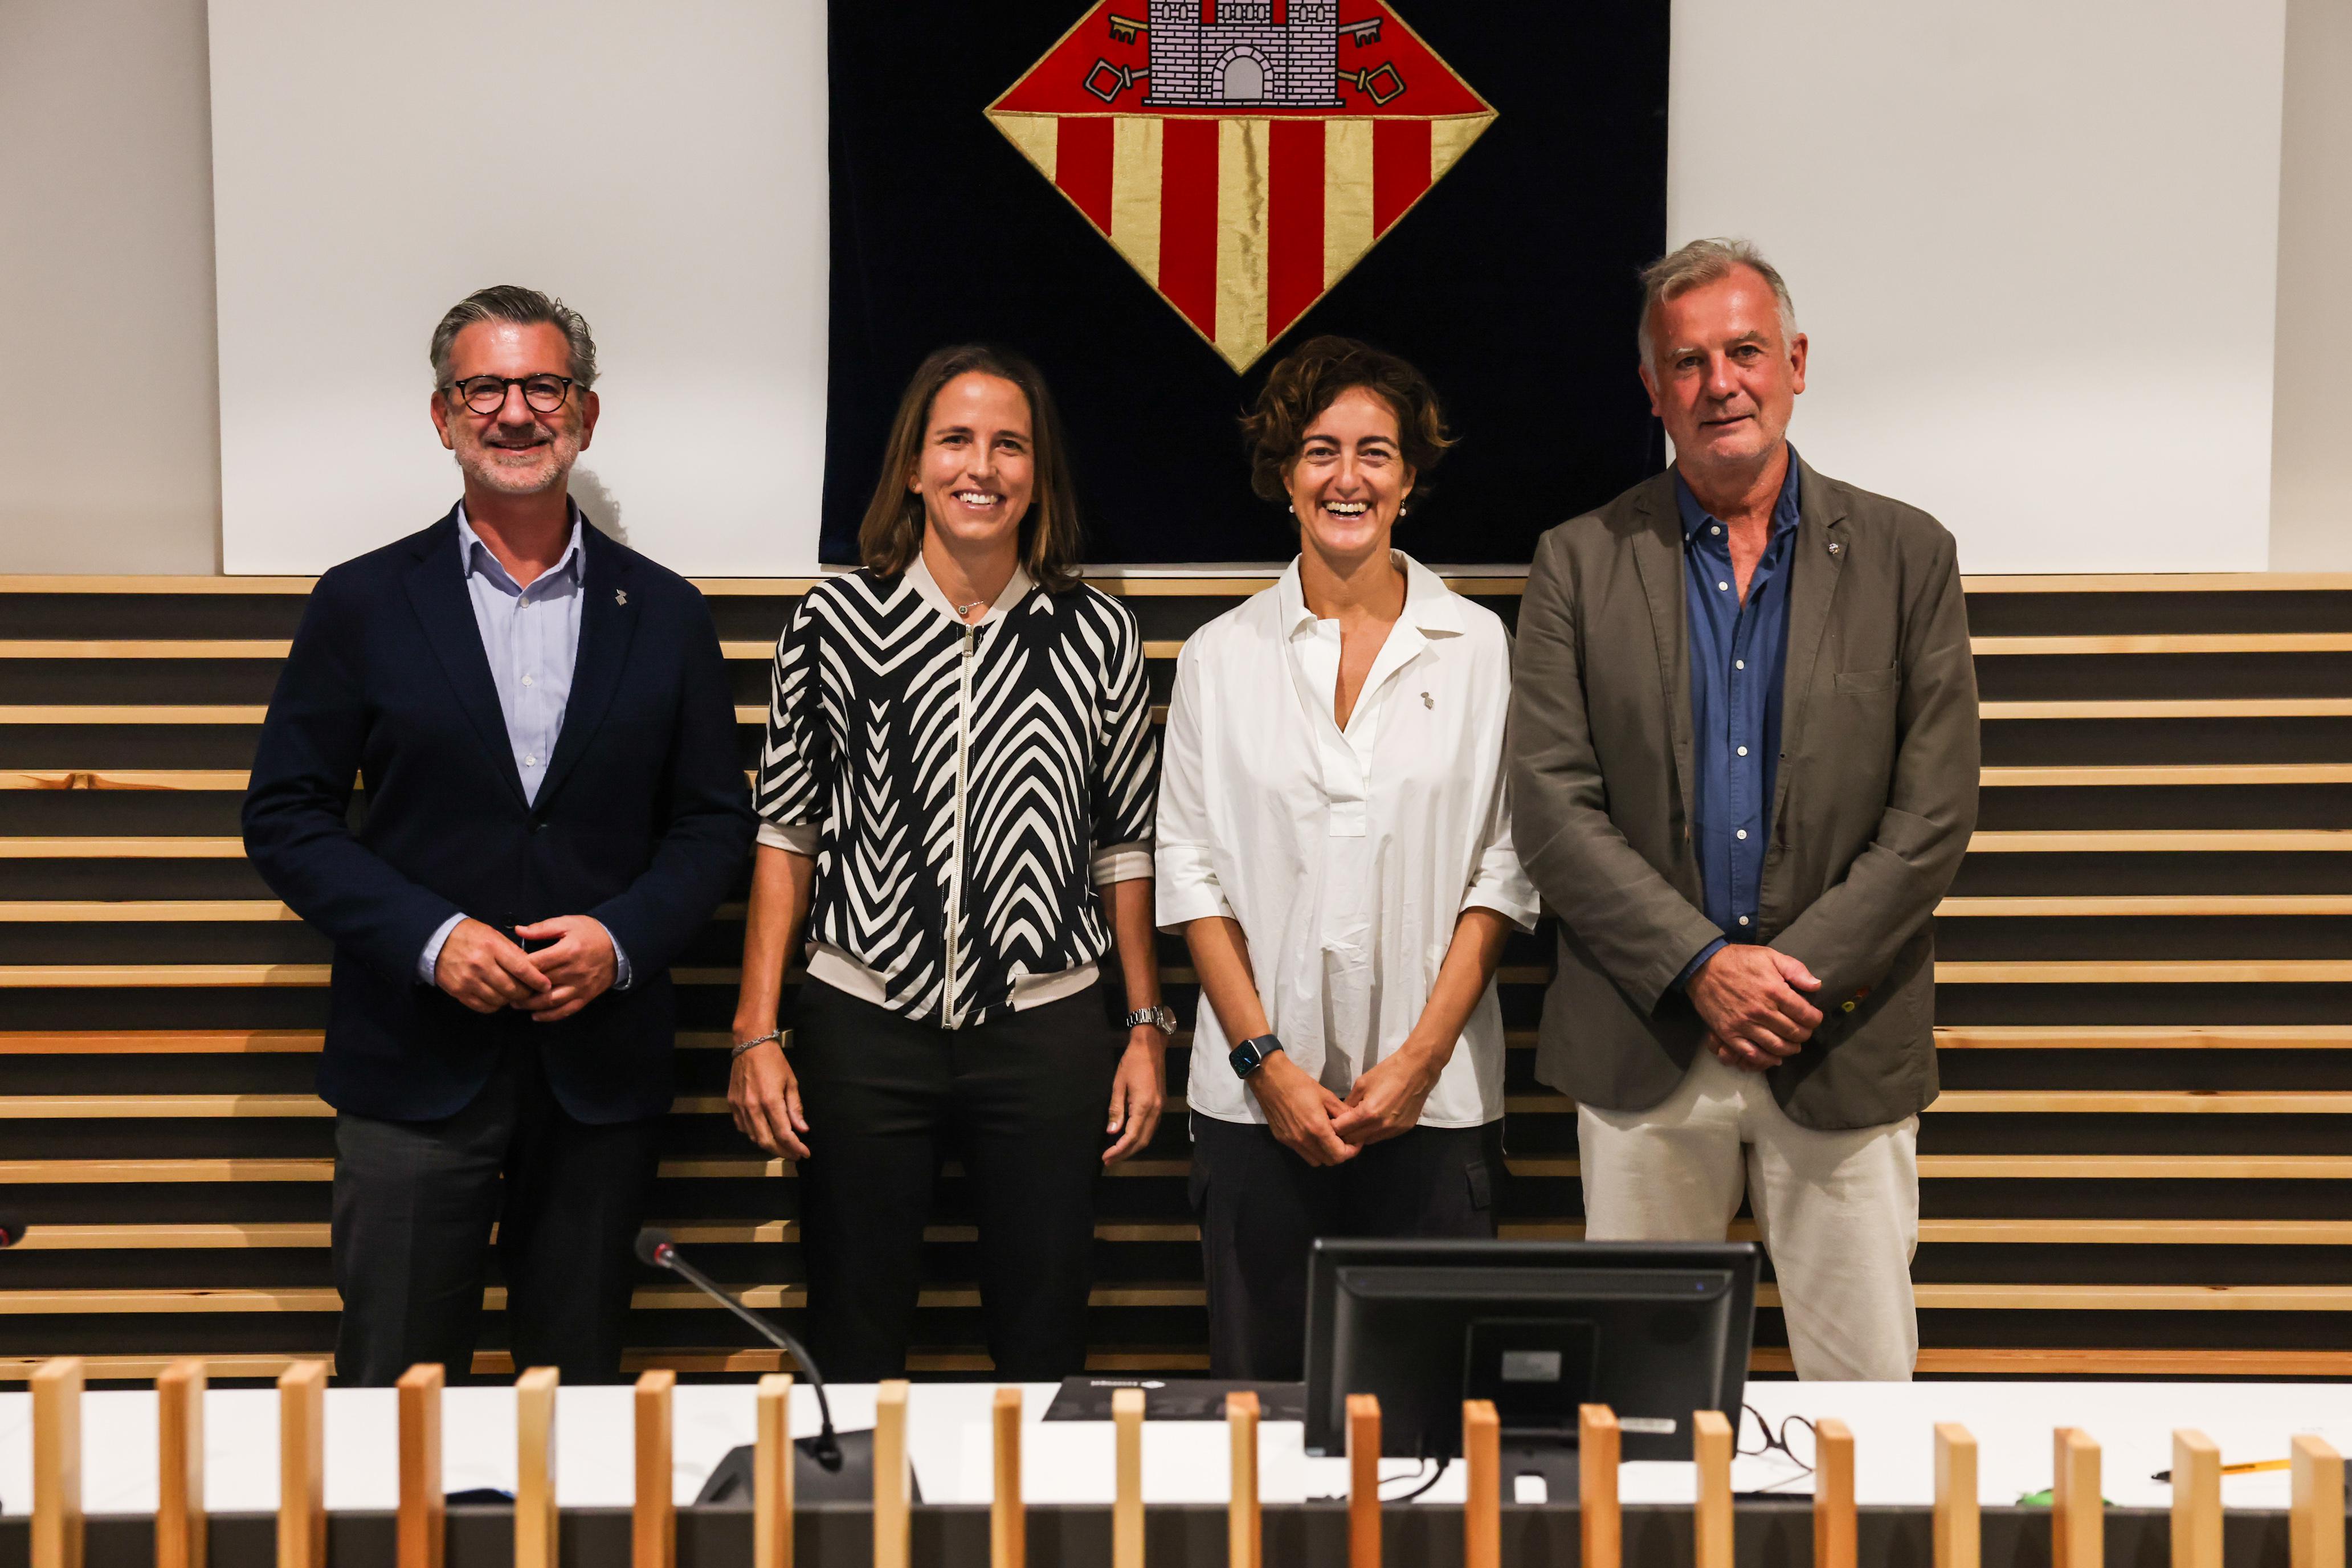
(414, 1201)
(1261, 1207)
(1023, 1102)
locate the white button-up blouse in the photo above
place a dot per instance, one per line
(1346, 856)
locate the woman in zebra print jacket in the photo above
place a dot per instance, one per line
(956, 799)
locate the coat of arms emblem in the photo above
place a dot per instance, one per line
(1242, 154)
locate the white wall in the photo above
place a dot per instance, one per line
(662, 168)
(2035, 247)
(2311, 481)
(110, 443)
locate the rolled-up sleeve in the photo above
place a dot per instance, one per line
(796, 757)
(1497, 880)
(1127, 758)
(1186, 888)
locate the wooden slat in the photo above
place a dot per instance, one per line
(186, 779)
(2160, 582)
(194, 976)
(1126, 1478)
(2196, 1500)
(892, 1490)
(1711, 1448)
(1245, 1536)
(1601, 1521)
(1973, 1297)
(137, 911)
(1835, 1540)
(101, 1107)
(1008, 1513)
(302, 1465)
(181, 1536)
(2077, 1510)
(2163, 642)
(1955, 1531)
(535, 1520)
(2143, 1038)
(2178, 905)
(143, 648)
(1482, 1505)
(2315, 1520)
(2171, 971)
(2058, 1102)
(772, 1474)
(102, 848)
(2165, 841)
(2161, 708)
(133, 712)
(57, 1463)
(420, 1528)
(2082, 1167)
(1364, 1484)
(653, 1513)
(2148, 774)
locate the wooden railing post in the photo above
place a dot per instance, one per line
(2078, 1518)
(1711, 1447)
(2316, 1526)
(57, 1463)
(2196, 1500)
(180, 1532)
(1599, 1445)
(893, 1525)
(1482, 1507)
(423, 1509)
(1245, 1538)
(653, 1532)
(1835, 1539)
(302, 1465)
(1958, 1539)
(1008, 1516)
(772, 1474)
(535, 1534)
(1126, 1478)
(1363, 1480)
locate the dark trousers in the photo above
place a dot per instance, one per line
(414, 1201)
(1023, 1102)
(1261, 1207)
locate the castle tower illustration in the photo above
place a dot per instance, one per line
(1234, 53)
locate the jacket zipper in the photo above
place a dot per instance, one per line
(955, 857)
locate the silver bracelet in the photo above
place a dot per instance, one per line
(742, 1045)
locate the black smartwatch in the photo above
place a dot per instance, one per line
(1250, 1054)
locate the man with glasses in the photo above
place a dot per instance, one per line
(554, 806)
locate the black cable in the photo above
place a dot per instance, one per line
(1433, 1478)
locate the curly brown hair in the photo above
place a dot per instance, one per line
(891, 535)
(1310, 380)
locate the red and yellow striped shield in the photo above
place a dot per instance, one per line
(1242, 154)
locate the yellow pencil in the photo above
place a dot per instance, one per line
(2237, 1469)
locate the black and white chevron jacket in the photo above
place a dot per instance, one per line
(968, 784)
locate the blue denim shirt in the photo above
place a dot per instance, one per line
(532, 638)
(1738, 652)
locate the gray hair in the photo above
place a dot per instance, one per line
(518, 307)
(1700, 262)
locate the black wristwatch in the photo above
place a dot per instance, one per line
(1250, 1054)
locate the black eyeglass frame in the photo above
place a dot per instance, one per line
(1774, 1440)
(564, 384)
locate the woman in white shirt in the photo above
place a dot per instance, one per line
(1334, 842)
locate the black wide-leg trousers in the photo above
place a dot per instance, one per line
(1261, 1207)
(414, 1206)
(1022, 1101)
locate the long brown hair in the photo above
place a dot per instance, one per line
(892, 534)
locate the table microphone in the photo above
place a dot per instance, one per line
(830, 1466)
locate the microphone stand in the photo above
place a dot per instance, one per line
(831, 1466)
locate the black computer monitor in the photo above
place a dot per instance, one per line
(1655, 1331)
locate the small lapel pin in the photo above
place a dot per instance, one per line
(1427, 700)
(1835, 549)
(621, 595)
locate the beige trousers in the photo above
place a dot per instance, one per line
(1838, 1212)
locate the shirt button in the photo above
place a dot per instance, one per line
(1741, 834)
(1736, 664)
(534, 761)
(1714, 528)
(1743, 919)
(1743, 751)
(1723, 584)
(525, 680)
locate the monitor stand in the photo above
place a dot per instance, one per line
(1556, 1461)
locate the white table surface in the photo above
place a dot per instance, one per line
(1184, 1461)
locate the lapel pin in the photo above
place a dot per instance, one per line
(1834, 548)
(621, 595)
(1427, 700)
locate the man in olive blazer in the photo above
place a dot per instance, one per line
(1744, 868)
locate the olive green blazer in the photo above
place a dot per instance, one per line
(1874, 803)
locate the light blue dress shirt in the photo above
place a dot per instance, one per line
(532, 638)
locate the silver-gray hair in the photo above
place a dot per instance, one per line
(1701, 262)
(518, 307)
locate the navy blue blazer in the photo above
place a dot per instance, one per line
(642, 820)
